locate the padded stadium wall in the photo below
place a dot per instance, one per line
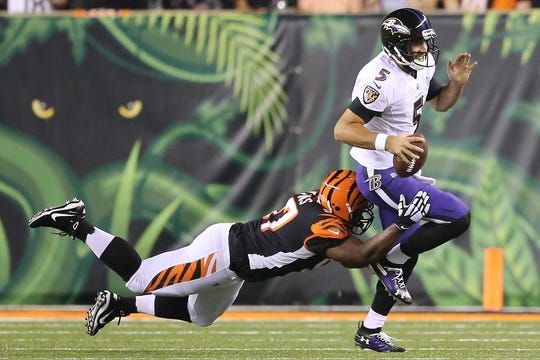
(165, 123)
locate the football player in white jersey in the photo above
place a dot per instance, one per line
(198, 282)
(387, 101)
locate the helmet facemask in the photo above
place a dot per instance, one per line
(361, 219)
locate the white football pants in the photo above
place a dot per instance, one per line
(199, 270)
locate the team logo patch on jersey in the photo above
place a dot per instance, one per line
(370, 94)
(375, 182)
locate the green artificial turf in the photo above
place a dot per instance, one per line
(166, 339)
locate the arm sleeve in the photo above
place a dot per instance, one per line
(434, 89)
(359, 109)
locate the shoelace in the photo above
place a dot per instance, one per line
(399, 278)
(74, 226)
(120, 316)
(61, 233)
(384, 338)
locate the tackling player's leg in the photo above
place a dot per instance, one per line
(117, 254)
(70, 219)
(109, 306)
(171, 299)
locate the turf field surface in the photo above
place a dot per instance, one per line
(256, 337)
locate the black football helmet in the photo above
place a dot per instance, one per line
(403, 27)
(340, 196)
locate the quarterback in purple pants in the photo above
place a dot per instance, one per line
(387, 100)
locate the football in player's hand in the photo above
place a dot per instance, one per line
(406, 169)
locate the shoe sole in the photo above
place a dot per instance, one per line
(96, 312)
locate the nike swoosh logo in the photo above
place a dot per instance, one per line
(377, 85)
(335, 232)
(55, 216)
(103, 316)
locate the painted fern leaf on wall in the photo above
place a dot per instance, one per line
(18, 33)
(212, 48)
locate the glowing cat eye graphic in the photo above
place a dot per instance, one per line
(131, 109)
(42, 110)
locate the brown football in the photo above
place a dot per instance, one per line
(404, 169)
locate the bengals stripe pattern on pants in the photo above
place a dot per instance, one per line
(182, 272)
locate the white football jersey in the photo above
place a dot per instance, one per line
(398, 98)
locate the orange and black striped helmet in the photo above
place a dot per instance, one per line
(340, 196)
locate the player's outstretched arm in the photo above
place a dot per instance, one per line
(354, 253)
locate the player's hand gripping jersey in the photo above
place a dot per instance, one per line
(291, 239)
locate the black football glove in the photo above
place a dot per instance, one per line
(414, 212)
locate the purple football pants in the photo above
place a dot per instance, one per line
(383, 187)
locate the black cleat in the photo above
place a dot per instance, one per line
(105, 309)
(379, 342)
(65, 218)
(392, 279)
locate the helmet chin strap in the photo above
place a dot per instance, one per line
(397, 57)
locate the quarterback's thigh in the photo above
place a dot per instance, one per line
(383, 188)
(444, 206)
